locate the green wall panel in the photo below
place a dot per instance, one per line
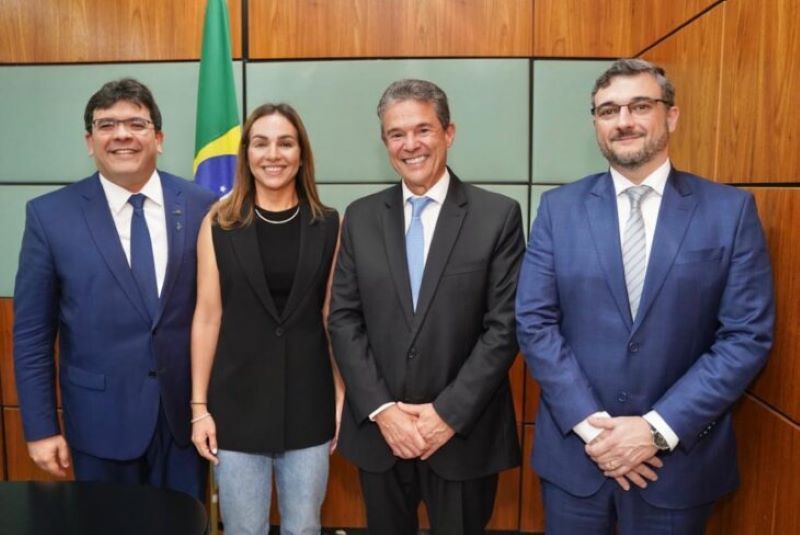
(41, 139)
(337, 100)
(564, 147)
(339, 196)
(12, 208)
(536, 197)
(518, 193)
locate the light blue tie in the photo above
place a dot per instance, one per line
(415, 246)
(142, 263)
(634, 257)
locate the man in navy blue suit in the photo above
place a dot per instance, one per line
(108, 265)
(644, 309)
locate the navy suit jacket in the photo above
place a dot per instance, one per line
(115, 363)
(703, 330)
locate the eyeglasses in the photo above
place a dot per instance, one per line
(134, 125)
(640, 107)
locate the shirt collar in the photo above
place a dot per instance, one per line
(437, 192)
(656, 180)
(118, 196)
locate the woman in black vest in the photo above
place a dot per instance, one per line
(266, 395)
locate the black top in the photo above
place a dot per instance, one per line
(271, 386)
(279, 244)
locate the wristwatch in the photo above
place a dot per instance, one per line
(658, 440)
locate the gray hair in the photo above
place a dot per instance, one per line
(633, 67)
(420, 90)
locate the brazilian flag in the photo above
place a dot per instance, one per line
(218, 129)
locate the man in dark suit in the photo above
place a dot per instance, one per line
(644, 309)
(422, 325)
(108, 264)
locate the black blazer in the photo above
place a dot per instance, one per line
(271, 386)
(455, 351)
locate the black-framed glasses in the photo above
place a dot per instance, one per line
(134, 125)
(639, 107)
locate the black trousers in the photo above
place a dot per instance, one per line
(454, 507)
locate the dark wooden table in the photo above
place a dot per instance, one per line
(67, 507)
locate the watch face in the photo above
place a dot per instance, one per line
(660, 441)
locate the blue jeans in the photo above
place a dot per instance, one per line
(245, 487)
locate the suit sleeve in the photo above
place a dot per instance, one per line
(565, 388)
(742, 342)
(366, 389)
(462, 402)
(35, 327)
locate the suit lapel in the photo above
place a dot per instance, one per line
(677, 209)
(106, 239)
(601, 209)
(393, 224)
(308, 259)
(445, 235)
(175, 217)
(245, 246)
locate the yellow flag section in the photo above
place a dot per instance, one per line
(227, 144)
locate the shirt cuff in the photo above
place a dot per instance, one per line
(655, 419)
(379, 410)
(587, 431)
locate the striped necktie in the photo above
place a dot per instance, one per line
(634, 257)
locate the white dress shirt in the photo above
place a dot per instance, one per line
(429, 217)
(154, 215)
(650, 207)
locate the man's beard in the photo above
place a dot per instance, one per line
(634, 160)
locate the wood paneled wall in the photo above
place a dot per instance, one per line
(779, 384)
(606, 29)
(693, 61)
(389, 28)
(7, 389)
(758, 102)
(90, 31)
(735, 73)
(87, 31)
(769, 453)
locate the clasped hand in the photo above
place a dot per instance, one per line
(412, 430)
(624, 450)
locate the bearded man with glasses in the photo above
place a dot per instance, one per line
(644, 309)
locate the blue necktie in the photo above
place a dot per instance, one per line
(415, 246)
(142, 263)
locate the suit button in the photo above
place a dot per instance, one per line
(279, 331)
(412, 354)
(151, 373)
(633, 347)
(622, 397)
(155, 331)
